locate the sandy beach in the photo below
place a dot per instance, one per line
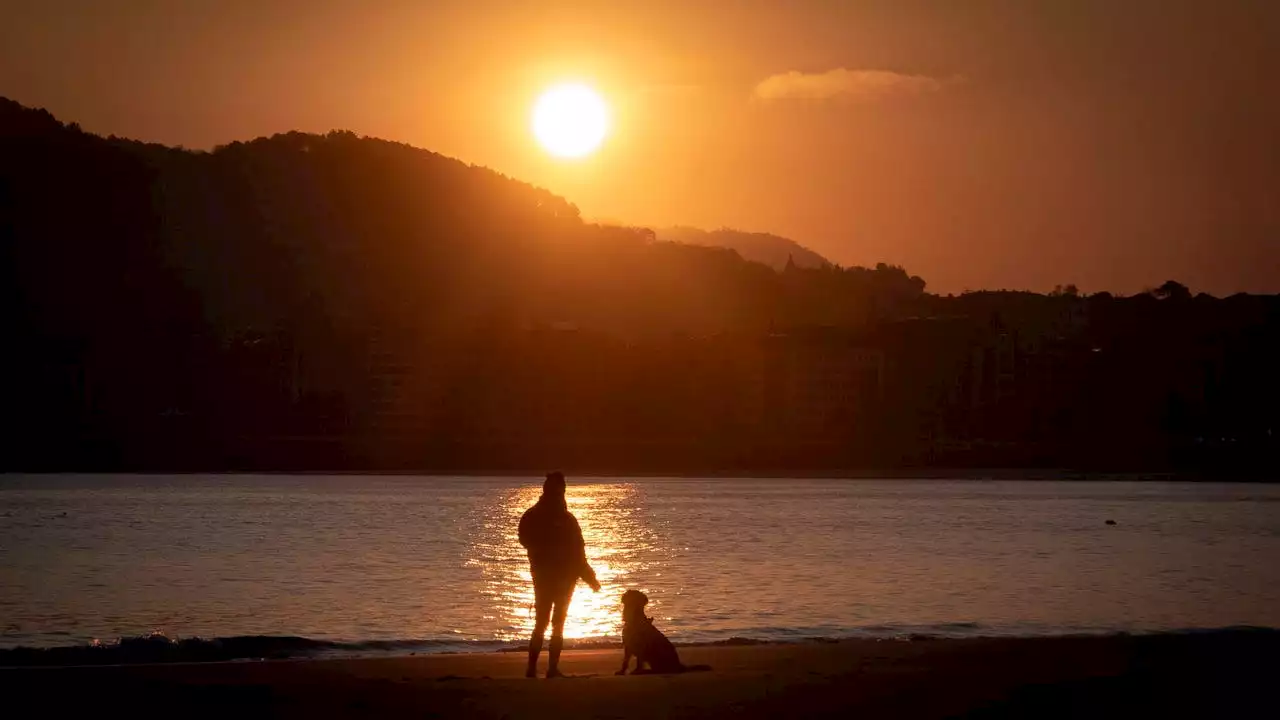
(1222, 674)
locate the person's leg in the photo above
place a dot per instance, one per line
(558, 616)
(542, 612)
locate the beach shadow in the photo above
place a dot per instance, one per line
(1228, 674)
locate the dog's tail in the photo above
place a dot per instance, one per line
(695, 668)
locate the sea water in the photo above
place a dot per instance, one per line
(400, 563)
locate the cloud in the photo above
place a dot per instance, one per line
(841, 83)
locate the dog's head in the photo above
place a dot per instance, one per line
(633, 601)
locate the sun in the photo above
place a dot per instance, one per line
(570, 120)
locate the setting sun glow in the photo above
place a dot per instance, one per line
(570, 120)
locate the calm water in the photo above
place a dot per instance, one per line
(435, 560)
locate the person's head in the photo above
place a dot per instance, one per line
(554, 485)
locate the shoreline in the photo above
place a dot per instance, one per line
(1214, 674)
(958, 474)
(159, 650)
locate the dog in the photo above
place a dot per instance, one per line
(647, 643)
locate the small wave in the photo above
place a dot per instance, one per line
(158, 648)
(733, 641)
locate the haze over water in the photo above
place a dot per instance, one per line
(435, 560)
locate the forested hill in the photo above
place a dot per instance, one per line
(280, 228)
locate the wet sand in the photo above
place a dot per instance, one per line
(1220, 675)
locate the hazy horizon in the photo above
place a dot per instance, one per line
(1000, 144)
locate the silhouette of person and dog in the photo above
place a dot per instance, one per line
(557, 560)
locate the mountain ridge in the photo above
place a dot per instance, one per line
(765, 248)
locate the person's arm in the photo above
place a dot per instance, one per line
(587, 574)
(525, 530)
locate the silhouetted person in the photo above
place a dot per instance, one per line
(557, 559)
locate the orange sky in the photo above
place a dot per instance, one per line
(981, 143)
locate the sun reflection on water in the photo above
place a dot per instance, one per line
(617, 541)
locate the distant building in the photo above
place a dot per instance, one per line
(820, 382)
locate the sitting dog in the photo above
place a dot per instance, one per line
(646, 642)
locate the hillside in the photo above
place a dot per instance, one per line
(280, 230)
